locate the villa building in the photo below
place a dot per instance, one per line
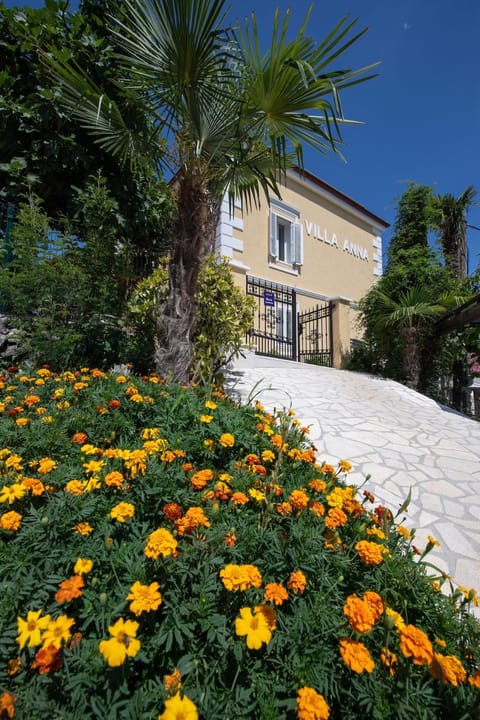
(307, 258)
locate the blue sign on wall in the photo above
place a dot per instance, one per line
(269, 298)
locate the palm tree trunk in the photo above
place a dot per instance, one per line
(411, 356)
(194, 235)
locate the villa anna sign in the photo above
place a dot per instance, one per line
(350, 247)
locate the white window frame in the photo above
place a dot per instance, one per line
(285, 219)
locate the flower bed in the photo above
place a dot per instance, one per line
(167, 553)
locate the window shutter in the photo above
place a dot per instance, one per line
(298, 247)
(273, 235)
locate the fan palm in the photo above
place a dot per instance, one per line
(451, 223)
(233, 117)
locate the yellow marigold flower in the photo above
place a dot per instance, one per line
(121, 379)
(370, 553)
(240, 577)
(448, 669)
(47, 419)
(311, 705)
(30, 630)
(83, 566)
(41, 410)
(122, 644)
(150, 433)
(210, 405)
(254, 626)
(335, 518)
(359, 614)
(14, 462)
(83, 528)
(268, 456)
(206, 418)
(227, 440)
(89, 449)
(396, 619)
(10, 493)
(75, 487)
(13, 667)
(64, 405)
(173, 682)
(10, 520)
(22, 422)
(93, 467)
(317, 485)
(432, 542)
(344, 466)
(404, 532)
(414, 643)
(46, 465)
(375, 532)
(136, 398)
(389, 660)
(178, 708)
(160, 542)
(145, 598)
(275, 593)
(336, 498)
(297, 582)
(136, 462)
(257, 495)
(356, 656)
(58, 631)
(122, 512)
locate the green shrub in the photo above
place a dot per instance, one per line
(166, 550)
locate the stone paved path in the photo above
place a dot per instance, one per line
(400, 438)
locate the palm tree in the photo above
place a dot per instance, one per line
(451, 222)
(412, 313)
(232, 117)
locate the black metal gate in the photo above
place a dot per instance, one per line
(279, 331)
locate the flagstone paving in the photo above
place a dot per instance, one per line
(397, 440)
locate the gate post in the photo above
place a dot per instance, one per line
(340, 320)
(294, 326)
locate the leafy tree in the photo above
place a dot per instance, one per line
(234, 116)
(40, 148)
(450, 221)
(412, 224)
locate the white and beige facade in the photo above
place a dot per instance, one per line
(315, 240)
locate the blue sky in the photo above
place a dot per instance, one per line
(421, 114)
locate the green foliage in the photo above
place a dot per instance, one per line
(413, 222)
(259, 498)
(224, 315)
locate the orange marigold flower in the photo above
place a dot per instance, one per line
(297, 582)
(317, 508)
(311, 705)
(275, 593)
(298, 500)
(187, 467)
(173, 682)
(317, 485)
(201, 478)
(252, 459)
(269, 613)
(375, 602)
(47, 659)
(172, 511)
(114, 479)
(389, 660)
(80, 438)
(284, 508)
(448, 669)
(70, 589)
(474, 680)
(32, 400)
(114, 404)
(414, 643)
(240, 577)
(328, 469)
(193, 518)
(14, 665)
(230, 539)
(160, 542)
(277, 441)
(239, 498)
(35, 486)
(359, 614)
(75, 487)
(370, 553)
(356, 656)
(10, 520)
(7, 705)
(335, 518)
